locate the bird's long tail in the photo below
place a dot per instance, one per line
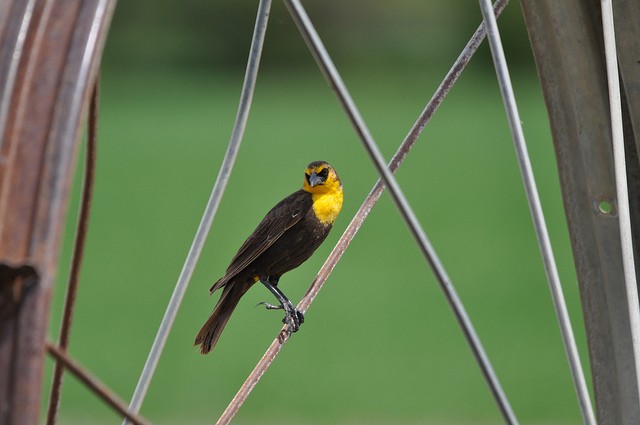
(213, 327)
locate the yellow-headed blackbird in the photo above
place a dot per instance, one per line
(284, 239)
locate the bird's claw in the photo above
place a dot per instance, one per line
(294, 319)
(270, 306)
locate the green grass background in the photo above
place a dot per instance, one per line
(380, 344)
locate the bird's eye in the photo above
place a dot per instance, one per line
(324, 173)
(307, 176)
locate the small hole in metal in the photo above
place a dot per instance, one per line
(605, 207)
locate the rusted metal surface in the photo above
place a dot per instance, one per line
(49, 53)
(567, 43)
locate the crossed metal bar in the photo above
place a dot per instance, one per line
(334, 78)
(375, 194)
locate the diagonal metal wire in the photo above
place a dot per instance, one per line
(333, 77)
(622, 194)
(93, 384)
(78, 251)
(359, 218)
(210, 210)
(537, 215)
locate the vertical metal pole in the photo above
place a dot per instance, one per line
(502, 72)
(566, 39)
(622, 194)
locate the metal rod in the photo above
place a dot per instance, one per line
(78, 251)
(537, 215)
(9, 79)
(211, 208)
(94, 384)
(359, 218)
(622, 194)
(333, 77)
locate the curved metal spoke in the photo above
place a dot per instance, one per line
(78, 251)
(210, 210)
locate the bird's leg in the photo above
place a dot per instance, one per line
(294, 318)
(270, 306)
(271, 282)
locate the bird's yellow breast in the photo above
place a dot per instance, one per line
(327, 205)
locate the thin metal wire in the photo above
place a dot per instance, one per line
(211, 208)
(335, 81)
(622, 194)
(94, 384)
(78, 251)
(359, 218)
(537, 215)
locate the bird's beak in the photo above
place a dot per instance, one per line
(314, 180)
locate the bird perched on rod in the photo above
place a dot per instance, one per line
(285, 238)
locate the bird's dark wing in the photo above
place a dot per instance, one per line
(283, 216)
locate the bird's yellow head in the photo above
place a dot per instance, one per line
(325, 187)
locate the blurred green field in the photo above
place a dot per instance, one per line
(380, 344)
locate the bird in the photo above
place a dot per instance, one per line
(285, 238)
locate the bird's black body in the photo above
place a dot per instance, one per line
(286, 237)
